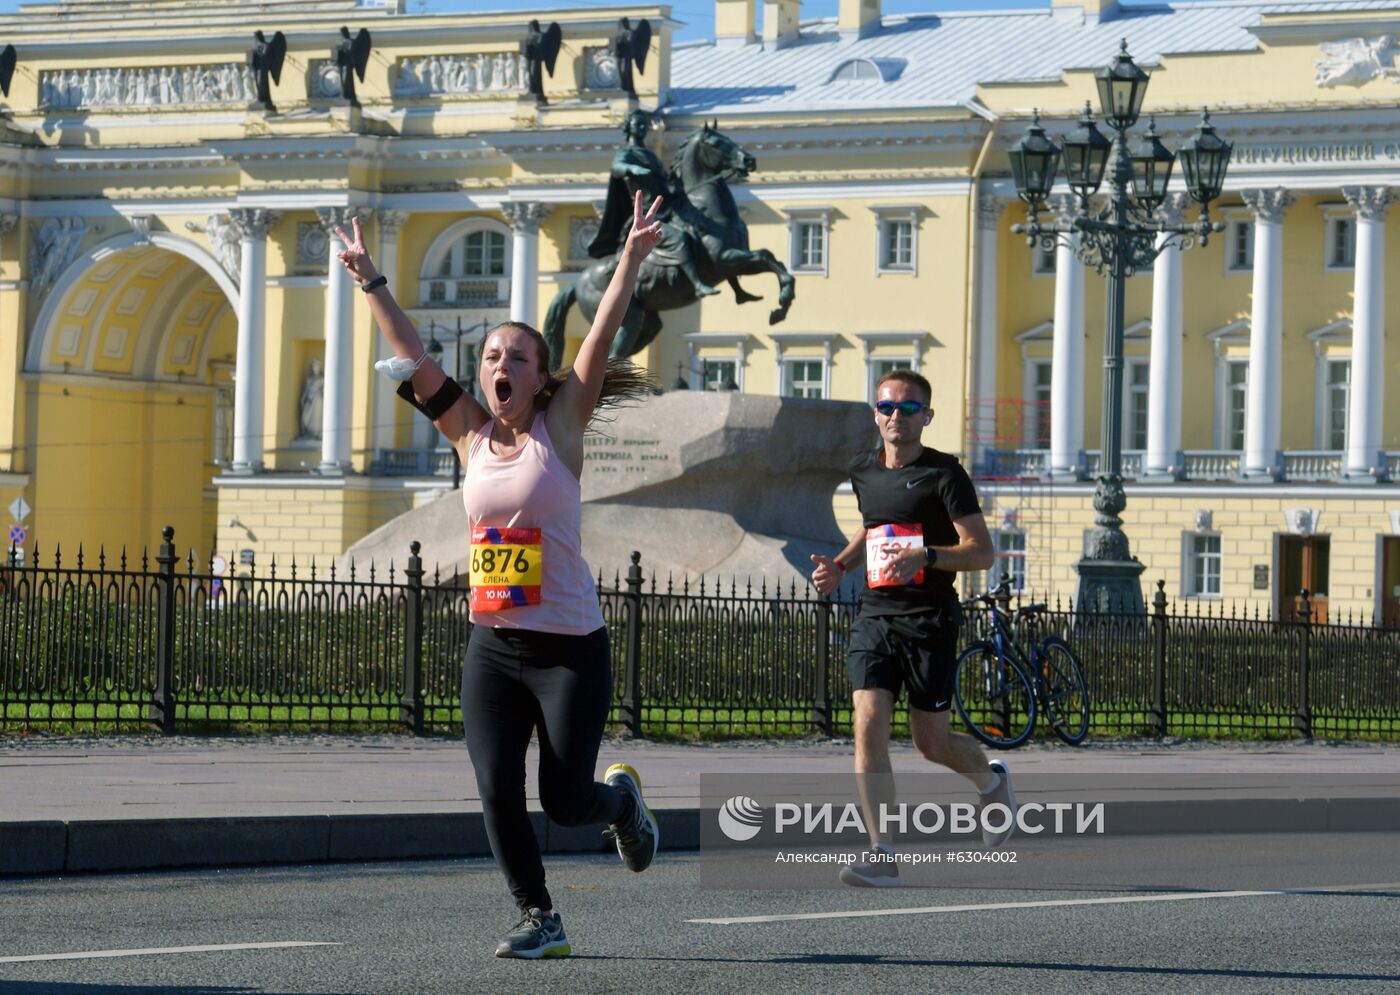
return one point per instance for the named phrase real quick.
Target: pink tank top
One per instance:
(534, 489)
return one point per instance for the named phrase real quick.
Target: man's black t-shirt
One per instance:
(931, 492)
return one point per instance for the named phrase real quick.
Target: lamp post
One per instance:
(1117, 240)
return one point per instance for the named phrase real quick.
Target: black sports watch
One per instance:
(379, 281)
(930, 556)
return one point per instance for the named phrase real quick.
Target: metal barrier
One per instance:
(155, 643)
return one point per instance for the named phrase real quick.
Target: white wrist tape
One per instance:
(400, 368)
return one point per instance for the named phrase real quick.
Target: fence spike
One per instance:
(332, 570)
(58, 556)
(189, 561)
(653, 582)
(101, 559)
(371, 569)
(670, 582)
(36, 555)
(352, 569)
(80, 556)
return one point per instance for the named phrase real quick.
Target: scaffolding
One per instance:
(1008, 458)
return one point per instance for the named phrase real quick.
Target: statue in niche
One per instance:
(351, 57)
(629, 47)
(225, 240)
(313, 390)
(55, 243)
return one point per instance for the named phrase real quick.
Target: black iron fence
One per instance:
(104, 644)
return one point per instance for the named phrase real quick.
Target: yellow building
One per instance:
(178, 349)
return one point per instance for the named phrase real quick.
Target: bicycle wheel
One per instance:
(993, 697)
(1066, 698)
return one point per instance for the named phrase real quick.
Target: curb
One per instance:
(87, 846)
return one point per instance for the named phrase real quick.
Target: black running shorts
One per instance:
(917, 650)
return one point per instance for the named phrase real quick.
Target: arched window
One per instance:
(469, 266)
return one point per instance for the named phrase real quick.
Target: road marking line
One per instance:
(149, 951)
(991, 906)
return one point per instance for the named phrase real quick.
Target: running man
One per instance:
(538, 660)
(921, 523)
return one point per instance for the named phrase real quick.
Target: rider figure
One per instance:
(636, 167)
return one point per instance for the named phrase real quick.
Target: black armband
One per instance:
(437, 405)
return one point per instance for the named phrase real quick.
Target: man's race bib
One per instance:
(885, 542)
(507, 568)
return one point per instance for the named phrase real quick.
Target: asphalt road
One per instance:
(429, 927)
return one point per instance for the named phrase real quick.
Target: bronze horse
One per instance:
(704, 208)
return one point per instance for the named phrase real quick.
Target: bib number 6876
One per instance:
(494, 559)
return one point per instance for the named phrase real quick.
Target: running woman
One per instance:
(921, 524)
(538, 659)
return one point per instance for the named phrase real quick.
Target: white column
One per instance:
(339, 328)
(1164, 373)
(525, 218)
(385, 400)
(982, 418)
(252, 224)
(1367, 402)
(1264, 411)
(1067, 352)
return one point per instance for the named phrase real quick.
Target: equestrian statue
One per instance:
(704, 242)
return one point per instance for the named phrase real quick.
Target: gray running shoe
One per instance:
(884, 874)
(1005, 796)
(636, 836)
(536, 935)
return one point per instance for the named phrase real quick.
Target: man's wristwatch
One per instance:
(930, 556)
(379, 281)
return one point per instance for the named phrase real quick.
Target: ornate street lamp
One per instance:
(1117, 239)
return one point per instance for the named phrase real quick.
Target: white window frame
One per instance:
(885, 216)
(1328, 388)
(822, 383)
(912, 341)
(807, 216)
(1234, 334)
(1337, 335)
(1235, 218)
(1337, 215)
(1130, 428)
(1190, 557)
(445, 244)
(1030, 428)
(704, 364)
(782, 341)
(722, 346)
(1004, 556)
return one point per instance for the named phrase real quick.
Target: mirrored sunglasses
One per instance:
(906, 408)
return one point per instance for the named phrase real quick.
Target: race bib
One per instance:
(885, 542)
(507, 568)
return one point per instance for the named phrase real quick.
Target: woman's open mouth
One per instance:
(503, 391)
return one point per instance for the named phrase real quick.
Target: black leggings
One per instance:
(513, 682)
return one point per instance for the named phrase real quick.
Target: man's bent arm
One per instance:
(974, 550)
(854, 553)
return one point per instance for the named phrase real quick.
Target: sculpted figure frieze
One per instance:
(486, 72)
(53, 246)
(148, 86)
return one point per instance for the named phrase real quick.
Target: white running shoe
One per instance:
(1005, 796)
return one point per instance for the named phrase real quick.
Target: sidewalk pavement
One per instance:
(122, 803)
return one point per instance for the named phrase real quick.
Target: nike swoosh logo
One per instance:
(909, 485)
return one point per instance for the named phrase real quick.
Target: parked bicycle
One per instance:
(1000, 681)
